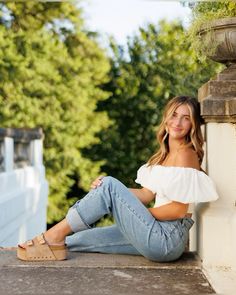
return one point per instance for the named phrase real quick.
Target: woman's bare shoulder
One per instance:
(187, 157)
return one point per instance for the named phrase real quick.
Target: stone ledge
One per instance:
(102, 274)
(218, 89)
(98, 260)
(22, 134)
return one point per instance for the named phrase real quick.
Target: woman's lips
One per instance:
(176, 129)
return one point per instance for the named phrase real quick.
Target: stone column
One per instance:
(217, 220)
(8, 154)
(36, 148)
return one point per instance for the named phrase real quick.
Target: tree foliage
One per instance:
(50, 77)
(157, 66)
(54, 75)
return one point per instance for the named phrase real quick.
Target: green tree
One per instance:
(157, 66)
(50, 76)
(33, 15)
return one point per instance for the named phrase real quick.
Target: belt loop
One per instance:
(188, 222)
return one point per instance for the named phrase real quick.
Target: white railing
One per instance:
(23, 187)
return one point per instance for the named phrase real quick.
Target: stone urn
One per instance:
(218, 96)
(221, 35)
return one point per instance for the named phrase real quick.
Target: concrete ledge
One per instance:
(98, 260)
(102, 274)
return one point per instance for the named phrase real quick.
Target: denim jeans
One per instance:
(135, 231)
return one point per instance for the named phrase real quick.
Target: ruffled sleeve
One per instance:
(185, 185)
(145, 178)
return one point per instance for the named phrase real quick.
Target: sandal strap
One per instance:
(41, 239)
(29, 243)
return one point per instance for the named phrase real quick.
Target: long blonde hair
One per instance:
(194, 138)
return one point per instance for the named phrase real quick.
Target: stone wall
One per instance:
(216, 228)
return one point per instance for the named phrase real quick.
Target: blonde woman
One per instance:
(172, 177)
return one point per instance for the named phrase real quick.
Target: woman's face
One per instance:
(179, 124)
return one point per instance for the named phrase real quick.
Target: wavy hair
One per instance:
(194, 138)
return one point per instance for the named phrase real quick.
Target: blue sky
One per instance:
(121, 18)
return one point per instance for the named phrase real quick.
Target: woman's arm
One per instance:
(171, 211)
(143, 194)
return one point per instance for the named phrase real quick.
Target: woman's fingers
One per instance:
(97, 182)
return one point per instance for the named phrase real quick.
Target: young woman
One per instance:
(172, 176)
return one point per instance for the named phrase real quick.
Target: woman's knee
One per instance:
(109, 180)
(114, 184)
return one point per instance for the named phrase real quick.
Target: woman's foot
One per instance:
(56, 235)
(47, 246)
(39, 250)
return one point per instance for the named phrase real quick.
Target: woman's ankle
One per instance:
(58, 233)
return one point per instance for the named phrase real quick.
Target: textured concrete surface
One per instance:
(87, 273)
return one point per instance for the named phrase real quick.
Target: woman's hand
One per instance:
(97, 182)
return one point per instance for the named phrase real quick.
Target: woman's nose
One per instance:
(177, 121)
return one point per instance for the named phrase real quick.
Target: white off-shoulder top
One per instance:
(185, 185)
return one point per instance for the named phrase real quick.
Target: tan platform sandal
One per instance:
(39, 250)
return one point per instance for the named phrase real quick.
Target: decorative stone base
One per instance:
(218, 97)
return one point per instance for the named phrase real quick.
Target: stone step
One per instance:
(94, 273)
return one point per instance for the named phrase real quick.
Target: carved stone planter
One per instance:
(223, 36)
(218, 96)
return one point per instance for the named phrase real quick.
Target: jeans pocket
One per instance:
(176, 244)
(168, 227)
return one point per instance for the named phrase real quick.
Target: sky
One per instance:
(122, 18)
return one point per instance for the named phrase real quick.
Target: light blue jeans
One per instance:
(135, 231)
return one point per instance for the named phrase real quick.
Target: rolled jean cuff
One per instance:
(75, 221)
